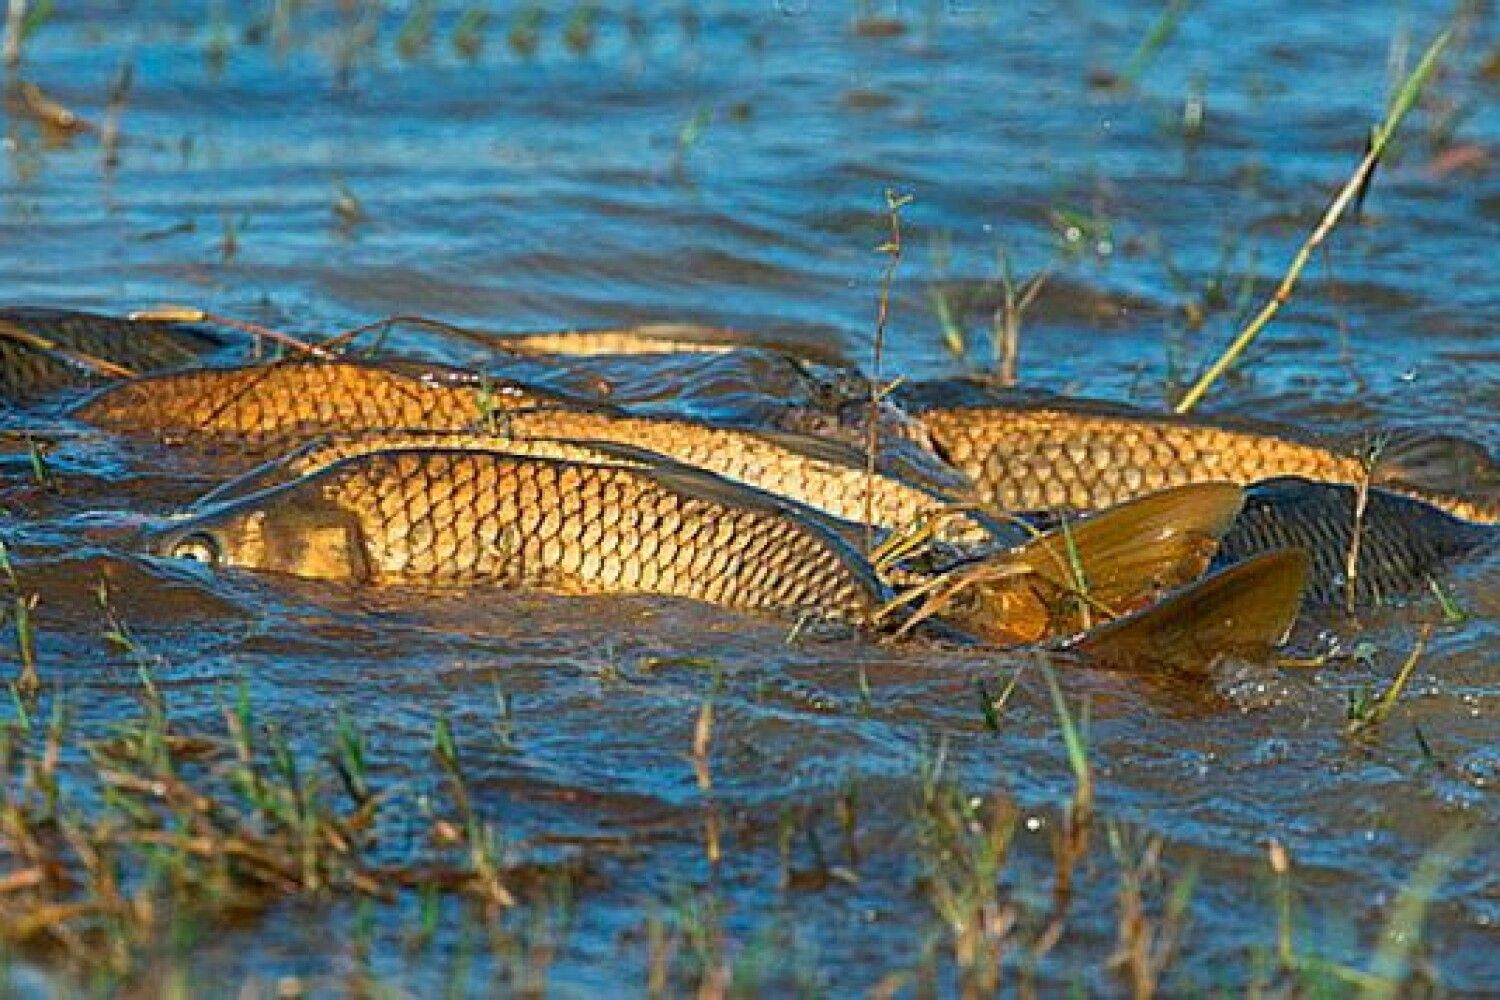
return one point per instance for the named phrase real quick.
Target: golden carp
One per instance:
(464, 517)
(287, 402)
(1081, 456)
(456, 517)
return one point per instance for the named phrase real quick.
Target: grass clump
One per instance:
(108, 858)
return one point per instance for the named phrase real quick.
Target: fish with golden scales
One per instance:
(1035, 451)
(824, 475)
(44, 350)
(463, 517)
(1083, 456)
(1433, 498)
(440, 517)
(282, 404)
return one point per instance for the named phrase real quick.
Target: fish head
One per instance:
(295, 530)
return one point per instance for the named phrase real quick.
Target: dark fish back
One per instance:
(1403, 542)
(43, 351)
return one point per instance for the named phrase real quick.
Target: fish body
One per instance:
(45, 350)
(1403, 543)
(639, 524)
(436, 516)
(1083, 456)
(811, 471)
(288, 402)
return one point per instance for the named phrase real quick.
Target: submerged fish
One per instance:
(821, 474)
(287, 402)
(646, 339)
(45, 350)
(1083, 456)
(461, 517)
(436, 516)
(1403, 543)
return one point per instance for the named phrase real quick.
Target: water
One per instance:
(728, 163)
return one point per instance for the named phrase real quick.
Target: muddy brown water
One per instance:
(566, 189)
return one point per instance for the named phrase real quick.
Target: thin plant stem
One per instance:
(892, 249)
(1410, 90)
(188, 314)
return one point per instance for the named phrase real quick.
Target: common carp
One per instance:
(448, 517)
(1403, 543)
(45, 350)
(644, 339)
(462, 517)
(1036, 451)
(287, 402)
(1084, 456)
(818, 473)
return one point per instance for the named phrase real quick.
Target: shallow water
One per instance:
(567, 189)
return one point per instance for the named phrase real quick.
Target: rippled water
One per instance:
(728, 163)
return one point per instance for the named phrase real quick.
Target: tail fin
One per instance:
(1104, 565)
(1245, 610)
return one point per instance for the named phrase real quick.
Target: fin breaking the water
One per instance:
(1246, 610)
(1109, 563)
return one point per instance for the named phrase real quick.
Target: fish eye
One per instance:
(199, 547)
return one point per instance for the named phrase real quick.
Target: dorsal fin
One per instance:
(259, 478)
(908, 462)
(810, 446)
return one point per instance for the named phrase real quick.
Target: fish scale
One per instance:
(435, 516)
(840, 486)
(291, 401)
(1033, 458)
